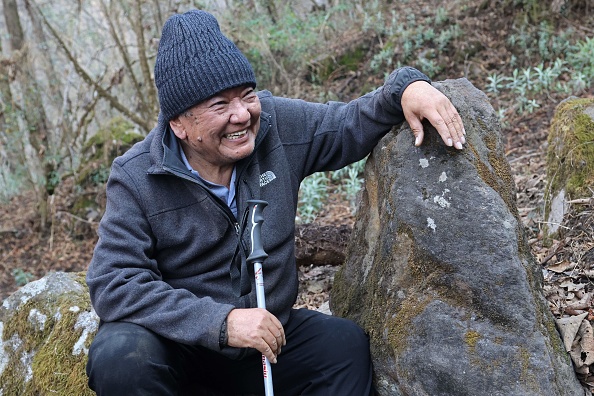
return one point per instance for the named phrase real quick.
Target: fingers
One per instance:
(256, 328)
(449, 126)
(455, 127)
(422, 101)
(273, 341)
(272, 344)
(417, 128)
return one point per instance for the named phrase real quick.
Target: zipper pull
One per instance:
(236, 228)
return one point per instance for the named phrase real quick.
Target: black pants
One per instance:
(324, 355)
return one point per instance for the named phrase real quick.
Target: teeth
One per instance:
(236, 135)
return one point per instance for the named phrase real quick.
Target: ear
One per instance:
(177, 128)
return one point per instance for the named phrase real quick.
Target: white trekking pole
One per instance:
(256, 257)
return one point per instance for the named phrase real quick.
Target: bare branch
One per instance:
(125, 57)
(144, 65)
(113, 101)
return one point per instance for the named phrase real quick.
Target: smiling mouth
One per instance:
(236, 135)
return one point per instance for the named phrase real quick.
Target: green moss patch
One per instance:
(102, 148)
(570, 157)
(46, 340)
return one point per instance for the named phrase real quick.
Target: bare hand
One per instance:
(256, 328)
(420, 100)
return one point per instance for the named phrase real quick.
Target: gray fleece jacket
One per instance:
(171, 255)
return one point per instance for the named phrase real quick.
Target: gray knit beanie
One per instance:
(196, 61)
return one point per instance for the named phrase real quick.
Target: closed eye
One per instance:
(217, 104)
(249, 92)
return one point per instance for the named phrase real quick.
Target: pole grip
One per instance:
(255, 220)
(256, 257)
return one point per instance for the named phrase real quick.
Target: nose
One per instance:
(238, 112)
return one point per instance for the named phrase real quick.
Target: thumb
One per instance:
(417, 128)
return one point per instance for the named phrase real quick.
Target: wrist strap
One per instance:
(223, 337)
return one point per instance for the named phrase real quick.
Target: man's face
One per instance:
(221, 130)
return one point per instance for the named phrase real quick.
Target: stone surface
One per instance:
(438, 271)
(46, 328)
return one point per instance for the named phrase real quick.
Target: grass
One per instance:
(316, 189)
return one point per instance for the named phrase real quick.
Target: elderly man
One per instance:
(169, 278)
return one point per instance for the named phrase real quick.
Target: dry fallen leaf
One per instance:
(587, 343)
(561, 267)
(570, 285)
(582, 352)
(568, 327)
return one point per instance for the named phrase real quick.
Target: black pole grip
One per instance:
(255, 220)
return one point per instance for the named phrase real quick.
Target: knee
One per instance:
(348, 340)
(123, 344)
(347, 367)
(119, 352)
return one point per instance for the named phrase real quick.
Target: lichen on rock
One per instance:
(445, 285)
(46, 328)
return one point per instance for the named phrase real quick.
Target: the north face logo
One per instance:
(266, 178)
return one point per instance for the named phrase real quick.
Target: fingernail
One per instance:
(273, 361)
(459, 145)
(463, 130)
(463, 139)
(450, 142)
(417, 140)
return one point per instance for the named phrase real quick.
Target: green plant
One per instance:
(533, 84)
(441, 16)
(21, 277)
(408, 39)
(282, 47)
(312, 196)
(382, 58)
(448, 35)
(527, 105)
(580, 58)
(316, 188)
(100, 175)
(496, 82)
(350, 180)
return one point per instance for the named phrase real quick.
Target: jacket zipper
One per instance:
(216, 199)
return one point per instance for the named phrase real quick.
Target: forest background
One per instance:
(76, 89)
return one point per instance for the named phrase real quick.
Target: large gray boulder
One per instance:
(46, 328)
(439, 274)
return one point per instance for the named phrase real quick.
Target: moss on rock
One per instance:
(102, 148)
(46, 329)
(570, 158)
(447, 288)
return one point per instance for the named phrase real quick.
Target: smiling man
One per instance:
(169, 278)
(218, 132)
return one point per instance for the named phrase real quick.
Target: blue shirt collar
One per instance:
(227, 195)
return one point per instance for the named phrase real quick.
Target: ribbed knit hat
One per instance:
(196, 61)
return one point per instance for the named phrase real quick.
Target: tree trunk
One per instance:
(6, 105)
(13, 24)
(321, 245)
(33, 122)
